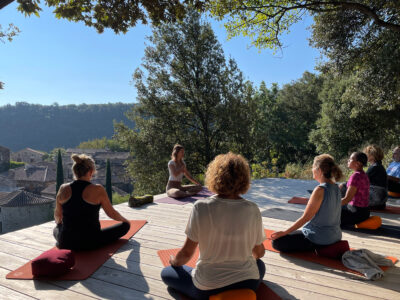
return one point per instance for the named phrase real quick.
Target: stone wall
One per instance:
(14, 218)
(27, 156)
(4, 159)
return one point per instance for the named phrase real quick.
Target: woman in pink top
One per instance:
(355, 202)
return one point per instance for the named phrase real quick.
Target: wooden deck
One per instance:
(134, 271)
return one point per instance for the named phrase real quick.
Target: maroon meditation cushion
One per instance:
(53, 262)
(335, 250)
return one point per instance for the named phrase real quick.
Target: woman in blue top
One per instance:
(321, 218)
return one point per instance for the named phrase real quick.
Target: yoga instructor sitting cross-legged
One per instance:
(177, 168)
(77, 211)
(229, 232)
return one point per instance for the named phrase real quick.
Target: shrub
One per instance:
(117, 199)
(263, 170)
(299, 170)
(16, 164)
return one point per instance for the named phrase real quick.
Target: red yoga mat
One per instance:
(86, 262)
(387, 210)
(263, 291)
(313, 257)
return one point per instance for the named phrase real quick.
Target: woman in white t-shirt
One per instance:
(177, 168)
(229, 232)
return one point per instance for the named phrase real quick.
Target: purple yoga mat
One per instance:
(204, 193)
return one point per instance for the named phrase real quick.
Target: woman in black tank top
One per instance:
(77, 211)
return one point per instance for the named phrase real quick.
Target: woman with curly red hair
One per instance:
(229, 232)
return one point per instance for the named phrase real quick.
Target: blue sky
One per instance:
(59, 61)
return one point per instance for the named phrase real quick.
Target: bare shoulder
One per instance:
(94, 188)
(319, 192)
(64, 193)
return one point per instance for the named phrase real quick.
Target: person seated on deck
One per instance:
(355, 202)
(229, 232)
(377, 178)
(393, 172)
(77, 211)
(177, 168)
(321, 217)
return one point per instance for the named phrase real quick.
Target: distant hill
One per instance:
(45, 127)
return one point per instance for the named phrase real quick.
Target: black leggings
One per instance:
(89, 241)
(393, 186)
(294, 242)
(353, 214)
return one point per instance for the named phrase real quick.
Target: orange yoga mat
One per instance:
(86, 262)
(313, 257)
(298, 200)
(387, 210)
(263, 292)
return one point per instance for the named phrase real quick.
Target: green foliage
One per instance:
(103, 143)
(16, 164)
(8, 34)
(119, 16)
(53, 154)
(357, 44)
(299, 170)
(47, 127)
(344, 127)
(187, 94)
(264, 21)
(117, 199)
(264, 170)
(108, 181)
(60, 172)
(284, 118)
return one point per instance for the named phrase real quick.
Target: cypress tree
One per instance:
(108, 180)
(60, 172)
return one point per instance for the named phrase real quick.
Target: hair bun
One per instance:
(76, 158)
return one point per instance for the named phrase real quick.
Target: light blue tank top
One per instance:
(324, 227)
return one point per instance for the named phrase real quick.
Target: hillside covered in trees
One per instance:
(46, 127)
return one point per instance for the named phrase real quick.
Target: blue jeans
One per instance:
(180, 279)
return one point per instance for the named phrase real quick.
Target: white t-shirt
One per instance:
(171, 175)
(227, 231)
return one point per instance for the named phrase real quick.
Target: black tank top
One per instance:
(79, 216)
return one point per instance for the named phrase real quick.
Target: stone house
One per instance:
(28, 155)
(21, 209)
(34, 177)
(4, 159)
(7, 184)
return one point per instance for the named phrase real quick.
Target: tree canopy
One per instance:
(188, 93)
(118, 15)
(264, 21)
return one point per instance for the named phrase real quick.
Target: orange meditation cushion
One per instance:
(394, 195)
(372, 222)
(243, 294)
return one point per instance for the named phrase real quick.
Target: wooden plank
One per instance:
(9, 294)
(39, 289)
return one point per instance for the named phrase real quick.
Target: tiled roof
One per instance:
(34, 173)
(30, 150)
(22, 198)
(85, 151)
(113, 155)
(2, 147)
(51, 189)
